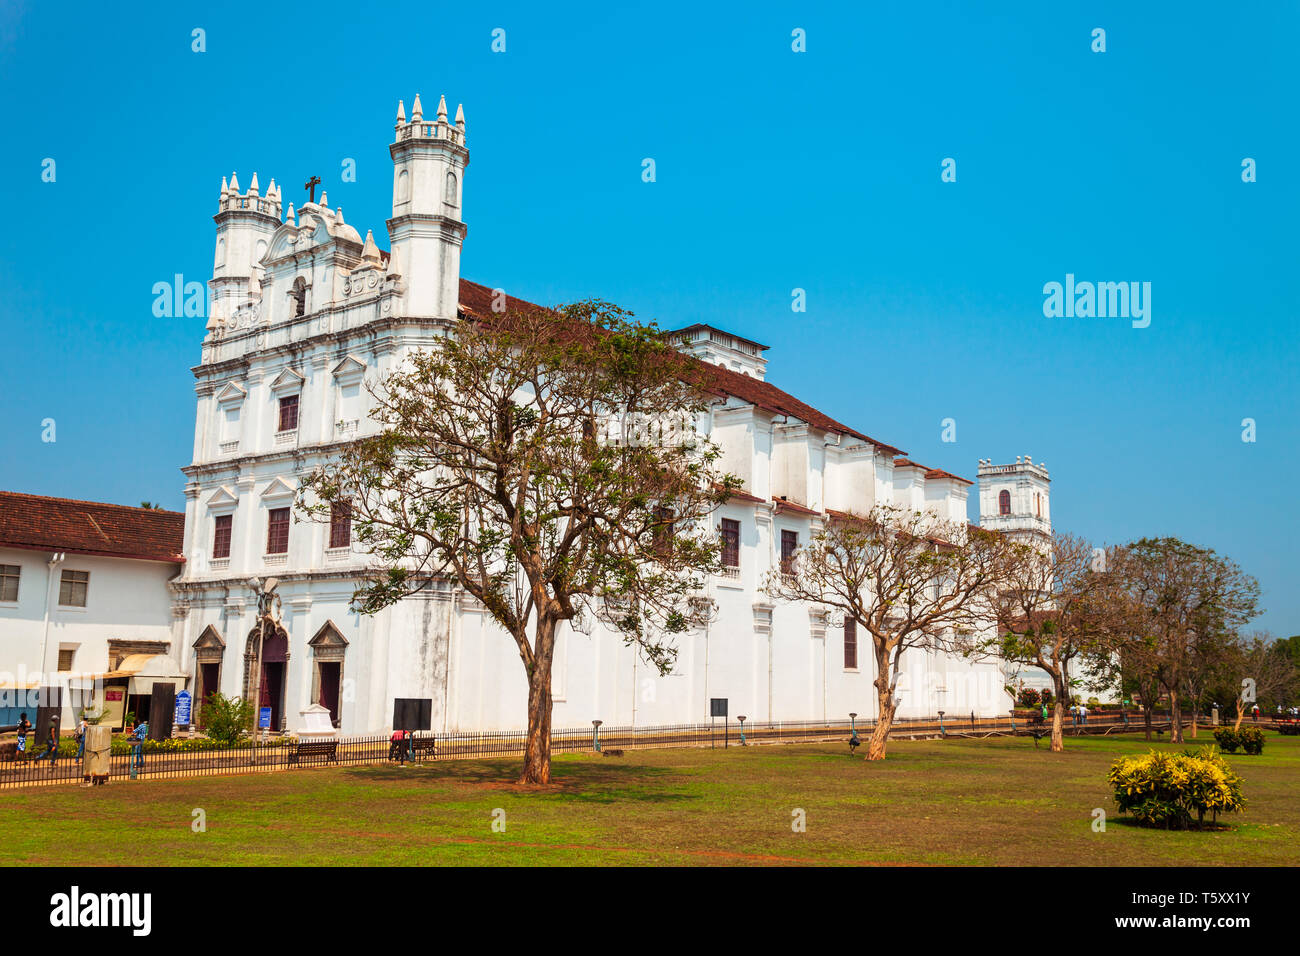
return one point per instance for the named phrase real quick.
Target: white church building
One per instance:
(304, 313)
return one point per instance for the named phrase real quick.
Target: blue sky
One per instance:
(775, 170)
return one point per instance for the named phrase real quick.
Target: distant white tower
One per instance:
(1015, 498)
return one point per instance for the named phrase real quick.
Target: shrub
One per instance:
(1047, 696)
(1175, 791)
(227, 719)
(1289, 729)
(1252, 740)
(1227, 739)
(1028, 697)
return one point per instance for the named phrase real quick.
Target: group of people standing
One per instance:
(51, 753)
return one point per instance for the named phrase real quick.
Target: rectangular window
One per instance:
(277, 531)
(72, 588)
(340, 524)
(9, 574)
(730, 543)
(66, 654)
(663, 531)
(789, 545)
(850, 644)
(289, 413)
(221, 536)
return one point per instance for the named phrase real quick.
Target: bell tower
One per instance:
(1016, 498)
(245, 224)
(427, 228)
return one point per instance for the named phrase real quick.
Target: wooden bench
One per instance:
(414, 748)
(325, 749)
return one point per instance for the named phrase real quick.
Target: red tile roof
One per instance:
(930, 472)
(940, 473)
(90, 527)
(476, 300)
(784, 505)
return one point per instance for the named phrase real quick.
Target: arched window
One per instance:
(403, 186)
(299, 296)
(1004, 502)
(451, 188)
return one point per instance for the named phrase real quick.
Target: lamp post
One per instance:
(941, 732)
(741, 718)
(266, 598)
(595, 734)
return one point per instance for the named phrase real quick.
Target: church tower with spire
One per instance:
(427, 227)
(245, 224)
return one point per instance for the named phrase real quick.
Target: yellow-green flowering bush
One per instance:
(1175, 791)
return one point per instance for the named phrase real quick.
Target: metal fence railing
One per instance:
(174, 759)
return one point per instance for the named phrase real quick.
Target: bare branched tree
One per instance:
(909, 579)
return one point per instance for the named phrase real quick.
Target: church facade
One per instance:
(304, 313)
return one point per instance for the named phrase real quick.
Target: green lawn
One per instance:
(996, 801)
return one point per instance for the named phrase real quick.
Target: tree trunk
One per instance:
(1146, 718)
(885, 702)
(1175, 718)
(1058, 725)
(1241, 714)
(537, 750)
(880, 735)
(1196, 706)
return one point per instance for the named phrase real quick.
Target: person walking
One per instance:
(1083, 714)
(80, 736)
(137, 749)
(51, 746)
(25, 728)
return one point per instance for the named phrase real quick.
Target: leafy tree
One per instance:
(910, 579)
(547, 462)
(227, 719)
(1179, 599)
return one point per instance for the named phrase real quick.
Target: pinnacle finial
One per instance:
(271, 191)
(417, 111)
(442, 109)
(225, 190)
(324, 198)
(289, 219)
(234, 183)
(460, 116)
(370, 250)
(338, 215)
(401, 112)
(252, 187)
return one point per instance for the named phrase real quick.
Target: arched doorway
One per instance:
(270, 689)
